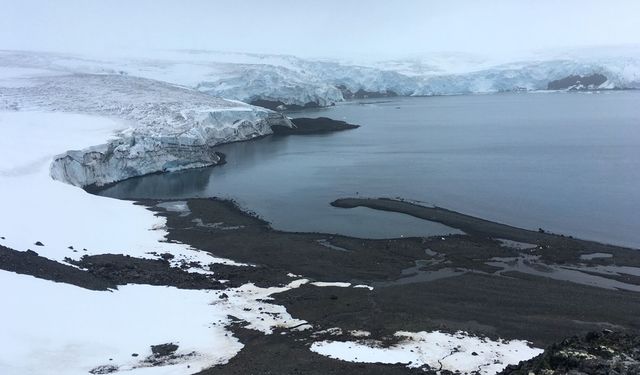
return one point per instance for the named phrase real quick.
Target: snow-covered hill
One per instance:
(295, 81)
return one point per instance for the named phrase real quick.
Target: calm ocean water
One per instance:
(566, 162)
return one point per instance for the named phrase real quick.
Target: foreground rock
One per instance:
(119, 269)
(30, 263)
(596, 353)
(106, 271)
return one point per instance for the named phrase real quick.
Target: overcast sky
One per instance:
(326, 28)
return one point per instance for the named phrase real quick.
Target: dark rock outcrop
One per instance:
(30, 263)
(576, 82)
(164, 350)
(364, 94)
(277, 105)
(596, 353)
(106, 271)
(123, 269)
(313, 126)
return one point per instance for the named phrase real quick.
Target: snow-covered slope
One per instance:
(166, 127)
(295, 81)
(242, 77)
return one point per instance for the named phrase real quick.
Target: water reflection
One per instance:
(175, 184)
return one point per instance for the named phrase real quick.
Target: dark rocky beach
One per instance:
(450, 286)
(435, 283)
(440, 283)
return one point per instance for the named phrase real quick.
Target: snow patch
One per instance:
(363, 286)
(438, 350)
(334, 284)
(84, 329)
(13, 76)
(358, 333)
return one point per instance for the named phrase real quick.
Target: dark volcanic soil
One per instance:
(30, 263)
(106, 271)
(124, 269)
(420, 283)
(284, 354)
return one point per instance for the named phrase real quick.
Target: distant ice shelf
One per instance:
(300, 82)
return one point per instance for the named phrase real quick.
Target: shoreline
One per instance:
(479, 299)
(467, 223)
(383, 263)
(304, 126)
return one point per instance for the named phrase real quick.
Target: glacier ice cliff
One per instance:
(294, 81)
(165, 127)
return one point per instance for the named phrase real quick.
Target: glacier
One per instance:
(168, 127)
(296, 82)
